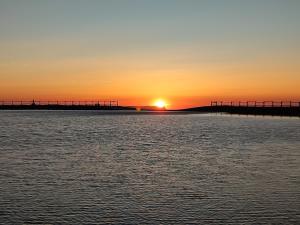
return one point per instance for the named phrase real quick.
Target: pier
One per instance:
(272, 104)
(274, 108)
(271, 108)
(62, 105)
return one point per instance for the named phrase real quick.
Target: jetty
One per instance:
(62, 105)
(273, 108)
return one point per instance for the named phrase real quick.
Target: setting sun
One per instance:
(160, 103)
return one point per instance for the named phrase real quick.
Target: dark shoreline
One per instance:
(242, 110)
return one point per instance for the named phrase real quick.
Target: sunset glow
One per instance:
(160, 103)
(149, 111)
(134, 51)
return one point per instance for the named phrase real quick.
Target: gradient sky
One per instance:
(187, 52)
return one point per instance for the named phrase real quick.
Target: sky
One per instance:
(187, 52)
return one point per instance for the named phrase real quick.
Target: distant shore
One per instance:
(272, 111)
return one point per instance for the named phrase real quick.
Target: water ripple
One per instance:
(95, 168)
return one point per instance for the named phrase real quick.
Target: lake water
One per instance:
(89, 167)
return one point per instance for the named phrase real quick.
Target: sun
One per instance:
(160, 103)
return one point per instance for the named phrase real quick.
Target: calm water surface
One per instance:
(68, 167)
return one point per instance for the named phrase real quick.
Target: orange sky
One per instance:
(136, 80)
(187, 53)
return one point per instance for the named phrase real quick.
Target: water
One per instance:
(95, 168)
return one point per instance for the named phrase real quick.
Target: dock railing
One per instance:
(100, 103)
(277, 104)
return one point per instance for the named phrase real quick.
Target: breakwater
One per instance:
(273, 108)
(62, 105)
